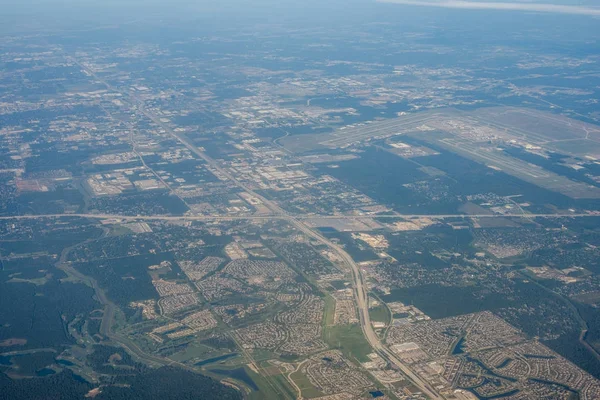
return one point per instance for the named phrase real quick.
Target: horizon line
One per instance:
(506, 6)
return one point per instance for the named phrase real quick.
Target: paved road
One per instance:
(361, 297)
(108, 320)
(360, 290)
(284, 216)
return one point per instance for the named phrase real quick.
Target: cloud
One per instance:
(473, 5)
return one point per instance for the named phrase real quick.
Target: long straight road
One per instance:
(359, 287)
(276, 212)
(361, 298)
(124, 217)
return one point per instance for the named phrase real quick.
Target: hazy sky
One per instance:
(514, 6)
(29, 16)
(57, 14)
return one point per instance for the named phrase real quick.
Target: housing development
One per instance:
(298, 213)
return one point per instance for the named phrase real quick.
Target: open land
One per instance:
(268, 221)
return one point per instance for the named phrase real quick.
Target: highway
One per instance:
(359, 286)
(361, 298)
(360, 289)
(132, 218)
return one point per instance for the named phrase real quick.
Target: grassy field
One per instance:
(329, 310)
(192, 351)
(308, 390)
(349, 339)
(380, 313)
(262, 355)
(271, 387)
(281, 382)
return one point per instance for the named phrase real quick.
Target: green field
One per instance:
(349, 339)
(308, 390)
(329, 310)
(380, 313)
(270, 387)
(193, 351)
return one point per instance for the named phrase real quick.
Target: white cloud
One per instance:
(540, 7)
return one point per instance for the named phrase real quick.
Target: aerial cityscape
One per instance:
(319, 201)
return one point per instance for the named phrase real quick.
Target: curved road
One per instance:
(360, 290)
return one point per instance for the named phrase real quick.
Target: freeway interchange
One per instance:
(358, 284)
(272, 211)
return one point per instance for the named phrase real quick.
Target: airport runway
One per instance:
(276, 212)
